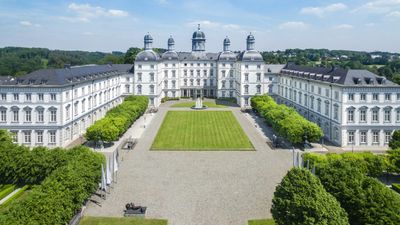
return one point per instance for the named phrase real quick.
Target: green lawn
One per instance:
(201, 130)
(262, 222)
(120, 221)
(190, 104)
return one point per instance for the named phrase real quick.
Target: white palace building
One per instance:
(53, 107)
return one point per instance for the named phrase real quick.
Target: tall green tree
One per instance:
(300, 198)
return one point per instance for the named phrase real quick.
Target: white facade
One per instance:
(197, 73)
(41, 112)
(354, 109)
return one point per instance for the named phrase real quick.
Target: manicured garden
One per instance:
(62, 180)
(120, 221)
(189, 104)
(201, 130)
(286, 121)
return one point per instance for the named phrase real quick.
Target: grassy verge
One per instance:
(262, 222)
(120, 221)
(6, 190)
(201, 131)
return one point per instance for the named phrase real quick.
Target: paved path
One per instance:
(197, 188)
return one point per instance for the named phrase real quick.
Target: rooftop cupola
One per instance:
(250, 42)
(227, 44)
(171, 44)
(198, 40)
(148, 42)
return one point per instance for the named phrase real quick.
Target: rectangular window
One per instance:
(151, 77)
(335, 112)
(363, 116)
(351, 97)
(258, 89)
(52, 139)
(398, 115)
(223, 73)
(15, 116)
(363, 97)
(246, 89)
(387, 96)
(3, 96)
(326, 109)
(166, 73)
(16, 97)
(375, 116)
(139, 77)
(336, 95)
(350, 116)
(28, 116)
(39, 136)
(40, 116)
(387, 116)
(388, 136)
(3, 116)
(53, 116)
(375, 137)
(375, 97)
(53, 97)
(258, 77)
(28, 97)
(327, 93)
(350, 137)
(27, 137)
(363, 137)
(231, 73)
(246, 77)
(319, 106)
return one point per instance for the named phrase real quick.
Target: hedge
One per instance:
(61, 194)
(396, 187)
(117, 120)
(165, 99)
(365, 199)
(16, 195)
(300, 198)
(286, 121)
(367, 162)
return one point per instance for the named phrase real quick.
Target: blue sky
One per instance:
(276, 24)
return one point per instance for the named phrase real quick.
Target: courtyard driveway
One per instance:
(197, 188)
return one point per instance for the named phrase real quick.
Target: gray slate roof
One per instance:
(60, 77)
(337, 75)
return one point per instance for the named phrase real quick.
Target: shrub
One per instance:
(286, 121)
(395, 140)
(165, 99)
(394, 160)
(301, 199)
(117, 120)
(367, 162)
(61, 194)
(396, 187)
(365, 199)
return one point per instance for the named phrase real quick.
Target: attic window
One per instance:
(19, 81)
(380, 80)
(31, 81)
(356, 80)
(43, 81)
(269, 70)
(368, 80)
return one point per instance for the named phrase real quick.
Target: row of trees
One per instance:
(301, 198)
(286, 121)
(62, 185)
(16, 61)
(117, 120)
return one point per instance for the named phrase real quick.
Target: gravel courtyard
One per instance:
(197, 188)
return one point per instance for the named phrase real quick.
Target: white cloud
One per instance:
(394, 14)
(322, 11)
(378, 6)
(343, 27)
(213, 25)
(298, 25)
(86, 12)
(26, 23)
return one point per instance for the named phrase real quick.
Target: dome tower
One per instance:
(148, 42)
(250, 42)
(171, 44)
(198, 40)
(227, 43)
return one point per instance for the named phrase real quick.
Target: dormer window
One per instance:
(356, 80)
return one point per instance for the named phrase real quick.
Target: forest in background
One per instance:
(17, 61)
